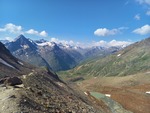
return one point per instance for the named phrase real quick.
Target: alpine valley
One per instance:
(55, 56)
(29, 89)
(74, 56)
(124, 76)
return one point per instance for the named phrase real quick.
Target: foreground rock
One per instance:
(12, 81)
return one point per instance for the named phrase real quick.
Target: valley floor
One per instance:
(129, 91)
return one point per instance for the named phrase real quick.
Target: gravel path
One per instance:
(9, 100)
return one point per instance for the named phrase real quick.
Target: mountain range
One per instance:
(133, 59)
(54, 56)
(26, 88)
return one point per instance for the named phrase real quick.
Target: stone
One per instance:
(12, 81)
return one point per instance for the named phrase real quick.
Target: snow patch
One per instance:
(107, 95)
(5, 63)
(60, 84)
(85, 93)
(24, 76)
(119, 55)
(20, 63)
(25, 46)
(147, 92)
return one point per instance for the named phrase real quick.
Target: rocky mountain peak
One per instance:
(21, 42)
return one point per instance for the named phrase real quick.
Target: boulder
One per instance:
(12, 81)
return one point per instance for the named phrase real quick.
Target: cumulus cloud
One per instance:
(101, 43)
(16, 29)
(9, 38)
(11, 28)
(106, 32)
(119, 43)
(43, 34)
(143, 30)
(111, 43)
(34, 32)
(137, 17)
(55, 40)
(65, 42)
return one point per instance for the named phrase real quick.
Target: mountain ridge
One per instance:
(55, 56)
(130, 60)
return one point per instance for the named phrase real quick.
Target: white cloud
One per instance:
(100, 43)
(119, 43)
(15, 29)
(2, 29)
(54, 40)
(34, 32)
(106, 32)
(148, 13)
(143, 2)
(9, 38)
(65, 42)
(43, 34)
(111, 43)
(143, 30)
(137, 17)
(11, 28)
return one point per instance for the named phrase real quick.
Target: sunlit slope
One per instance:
(132, 59)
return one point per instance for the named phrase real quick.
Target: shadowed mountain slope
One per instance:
(26, 50)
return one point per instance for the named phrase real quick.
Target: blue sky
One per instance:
(84, 21)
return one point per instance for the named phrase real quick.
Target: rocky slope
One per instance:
(35, 90)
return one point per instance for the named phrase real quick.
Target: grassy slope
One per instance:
(133, 59)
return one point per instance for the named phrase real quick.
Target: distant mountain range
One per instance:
(131, 60)
(55, 56)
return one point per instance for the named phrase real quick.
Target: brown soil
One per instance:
(129, 91)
